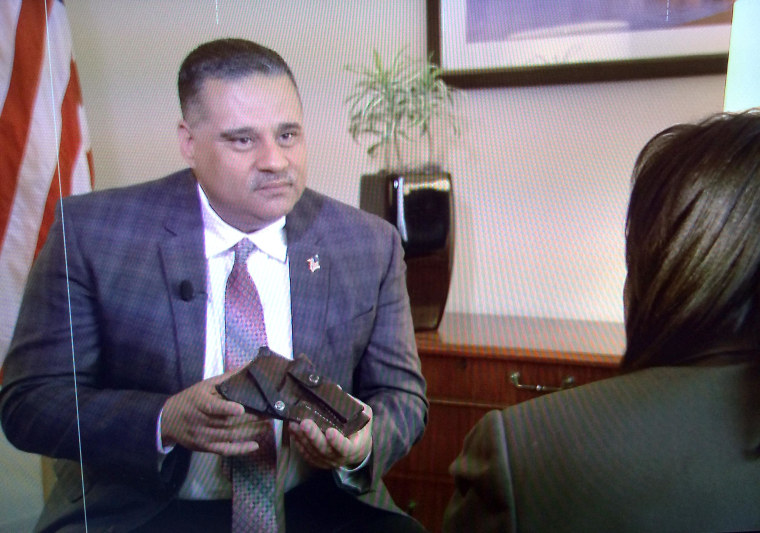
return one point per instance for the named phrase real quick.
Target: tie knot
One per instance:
(242, 250)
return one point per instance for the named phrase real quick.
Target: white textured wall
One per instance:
(20, 489)
(541, 180)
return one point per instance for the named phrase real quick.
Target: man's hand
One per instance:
(331, 449)
(199, 419)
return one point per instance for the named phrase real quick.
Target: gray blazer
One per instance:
(137, 341)
(662, 449)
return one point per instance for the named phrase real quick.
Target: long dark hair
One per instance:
(693, 242)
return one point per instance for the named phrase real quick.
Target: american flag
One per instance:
(44, 144)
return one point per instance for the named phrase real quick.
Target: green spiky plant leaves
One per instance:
(399, 104)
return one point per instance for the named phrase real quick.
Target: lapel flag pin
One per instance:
(313, 263)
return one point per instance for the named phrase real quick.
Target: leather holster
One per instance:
(272, 385)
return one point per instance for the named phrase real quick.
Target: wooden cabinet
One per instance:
(475, 363)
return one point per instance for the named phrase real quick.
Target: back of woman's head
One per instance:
(693, 242)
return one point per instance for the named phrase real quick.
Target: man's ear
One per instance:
(186, 147)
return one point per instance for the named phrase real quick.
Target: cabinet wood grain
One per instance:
(475, 363)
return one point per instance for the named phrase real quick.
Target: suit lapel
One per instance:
(309, 275)
(183, 260)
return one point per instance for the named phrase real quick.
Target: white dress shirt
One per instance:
(268, 266)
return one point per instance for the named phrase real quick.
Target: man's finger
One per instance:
(338, 442)
(230, 449)
(219, 407)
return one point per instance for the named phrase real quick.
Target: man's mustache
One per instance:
(262, 179)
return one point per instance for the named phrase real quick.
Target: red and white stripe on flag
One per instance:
(44, 144)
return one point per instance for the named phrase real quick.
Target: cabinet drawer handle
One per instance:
(567, 383)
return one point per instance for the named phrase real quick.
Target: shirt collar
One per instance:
(220, 237)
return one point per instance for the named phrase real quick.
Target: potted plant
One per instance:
(407, 116)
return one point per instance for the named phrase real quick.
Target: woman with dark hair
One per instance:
(693, 243)
(673, 444)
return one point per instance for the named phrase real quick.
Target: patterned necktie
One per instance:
(253, 477)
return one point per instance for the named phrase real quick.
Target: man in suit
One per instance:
(129, 292)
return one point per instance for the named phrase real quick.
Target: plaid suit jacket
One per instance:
(136, 341)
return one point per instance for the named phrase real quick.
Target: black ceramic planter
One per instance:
(421, 206)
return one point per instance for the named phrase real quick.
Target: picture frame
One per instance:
(594, 51)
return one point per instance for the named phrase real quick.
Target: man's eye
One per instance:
(244, 142)
(289, 137)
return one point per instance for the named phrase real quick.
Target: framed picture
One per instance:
(487, 43)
